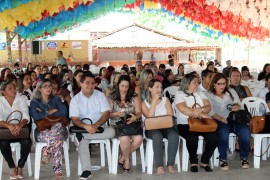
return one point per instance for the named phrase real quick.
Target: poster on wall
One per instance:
(52, 45)
(183, 56)
(76, 45)
(3, 46)
(64, 45)
(28, 46)
(14, 46)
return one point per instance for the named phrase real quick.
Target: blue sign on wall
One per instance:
(3, 46)
(52, 45)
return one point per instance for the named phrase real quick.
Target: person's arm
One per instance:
(36, 112)
(182, 107)
(219, 118)
(207, 106)
(24, 110)
(117, 114)
(103, 119)
(169, 108)
(60, 106)
(248, 91)
(138, 110)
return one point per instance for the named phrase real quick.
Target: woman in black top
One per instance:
(235, 79)
(266, 70)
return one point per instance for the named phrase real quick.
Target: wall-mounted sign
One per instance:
(14, 46)
(76, 45)
(3, 46)
(51, 45)
(64, 45)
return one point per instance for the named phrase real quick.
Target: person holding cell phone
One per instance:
(224, 100)
(126, 106)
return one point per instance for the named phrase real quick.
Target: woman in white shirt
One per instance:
(222, 98)
(156, 105)
(10, 102)
(184, 100)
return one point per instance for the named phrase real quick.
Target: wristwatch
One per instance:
(202, 109)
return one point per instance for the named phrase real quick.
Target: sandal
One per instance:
(58, 176)
(206, 168)
(245, 164)
(19, 173)
(224, 165)
(44, 160)
(171, 169)
(13, 174)
(160, 170)
(194, 168)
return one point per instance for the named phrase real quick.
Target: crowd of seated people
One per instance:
(77, 93)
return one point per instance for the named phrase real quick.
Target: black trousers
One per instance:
(192, 138)
(7, 153)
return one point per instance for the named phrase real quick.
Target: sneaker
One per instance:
(85, 175)
(245, 164)
(224, 165)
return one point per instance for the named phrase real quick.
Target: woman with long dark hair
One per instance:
(123, 103)
(75, 86)
(266, 70)
(224, 100)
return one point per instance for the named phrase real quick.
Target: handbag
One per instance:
(48, 121)
(76, 129)
(257, 124)
(124, 129)
(239, 117)
(5, 133)
(201, 124)
(159, 122)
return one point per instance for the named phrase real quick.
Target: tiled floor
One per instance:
(234, 173)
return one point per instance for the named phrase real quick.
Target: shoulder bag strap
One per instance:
(84, 119)
(19, 120)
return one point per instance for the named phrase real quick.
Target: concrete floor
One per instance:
(235, 172)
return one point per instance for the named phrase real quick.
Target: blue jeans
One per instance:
(244, 136)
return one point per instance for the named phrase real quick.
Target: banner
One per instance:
(52, 45)
(3, 46)
(14, 46)
(76, 45)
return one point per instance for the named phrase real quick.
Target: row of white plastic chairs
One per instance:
(252, 104)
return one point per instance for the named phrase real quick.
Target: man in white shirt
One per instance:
(89, 103)
(207, 76)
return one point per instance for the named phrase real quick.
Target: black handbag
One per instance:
(124, 129)
(5, 133)
(76, 129)
(239, 117)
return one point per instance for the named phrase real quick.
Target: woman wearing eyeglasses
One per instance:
(45, 104)
(224, 100)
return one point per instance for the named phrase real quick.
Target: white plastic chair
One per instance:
(115, 152)
(17, 148)
(102, 154)
(150, 155)
(260, 140)
(38, 152)
(185, 155)
(171, 90)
